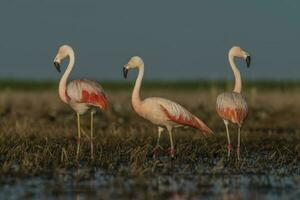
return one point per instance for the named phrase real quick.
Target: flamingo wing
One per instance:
(178, 114)
(88, 92)
(232, 106)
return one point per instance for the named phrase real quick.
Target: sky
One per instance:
(178, 40)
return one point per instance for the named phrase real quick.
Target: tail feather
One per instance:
(186, 118)
(202, 126)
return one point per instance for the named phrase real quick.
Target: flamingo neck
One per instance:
(63, 81)
(136, 100)
(237, 75)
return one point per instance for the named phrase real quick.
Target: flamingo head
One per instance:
(62, 53)
(237, 51)
(134, 62)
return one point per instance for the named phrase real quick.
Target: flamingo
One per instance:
(231, 106)
(161, 112)
(80, 94)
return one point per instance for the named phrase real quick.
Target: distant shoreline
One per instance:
(162, 85)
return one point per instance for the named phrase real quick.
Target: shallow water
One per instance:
(81, 185)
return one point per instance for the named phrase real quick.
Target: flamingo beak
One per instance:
(248, 61)
(125, 72)
(57, 66)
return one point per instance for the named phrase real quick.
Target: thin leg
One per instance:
(92, 133)
(79, 135)
(172, 150)
(239, 142)
(229, 147)
(156, 149)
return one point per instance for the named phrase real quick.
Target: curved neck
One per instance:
(63, 81)
(237, 75)
(136, 100)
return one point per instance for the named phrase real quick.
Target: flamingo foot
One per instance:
(155, 153)
(172, 152)
(229, 148)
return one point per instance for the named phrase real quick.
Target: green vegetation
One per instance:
(152, 85)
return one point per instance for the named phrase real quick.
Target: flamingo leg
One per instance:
(172, 150)
(92, 134)
(228, 139)
(239, 142)
(78, 136)
(156, 149)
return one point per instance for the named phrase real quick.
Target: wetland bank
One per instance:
(38, 146)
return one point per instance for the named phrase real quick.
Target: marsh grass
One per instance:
(38, 135)
(38, 139)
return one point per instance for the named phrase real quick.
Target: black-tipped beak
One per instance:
(248, 61)
(125, 72)
(57, 66)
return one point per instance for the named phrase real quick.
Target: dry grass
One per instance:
(38, 133)
(38, 138)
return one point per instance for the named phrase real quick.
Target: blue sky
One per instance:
(176, 39)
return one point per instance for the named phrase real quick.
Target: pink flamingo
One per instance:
(159, 111)
(79, 94)
(231, 106)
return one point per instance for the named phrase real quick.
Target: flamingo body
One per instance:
(82, 94)
(160, 111)
(232, 106)
(164, 112)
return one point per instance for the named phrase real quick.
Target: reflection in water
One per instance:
(177, 186)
